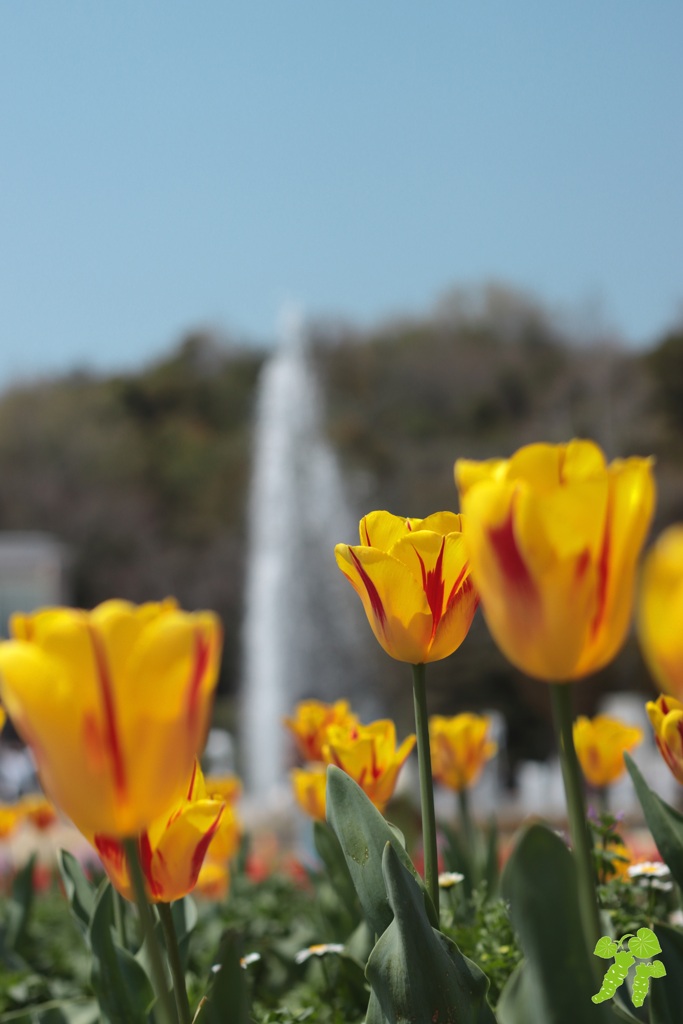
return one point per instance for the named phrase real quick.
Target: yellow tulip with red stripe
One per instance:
(554, 535)
(310, 723)
(600, 743)
(660, 611)
(414, 580)
(172, 849)
(460, 747)
(368, 753)
(309, 785)
(114, 704)
(666, 718)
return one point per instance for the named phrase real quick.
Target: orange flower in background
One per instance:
(660, 611)
(666, 718)
(369, 755)
(600, 743)
(172, 849)
(310, 722)
(309, 786)
(37, 810)
(114, 704)
(554, 535)
(413, 578)
(460, 746)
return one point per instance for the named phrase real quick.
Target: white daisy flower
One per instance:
(648, 869)
(449, 878)
(318, 950)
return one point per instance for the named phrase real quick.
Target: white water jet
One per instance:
(298, 638)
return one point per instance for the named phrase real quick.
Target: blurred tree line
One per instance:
(145, 475)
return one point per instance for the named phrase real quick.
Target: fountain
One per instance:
(298, 633)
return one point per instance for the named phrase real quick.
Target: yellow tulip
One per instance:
(114, 704)
(368, 754)
(9, 819)
(38, 810)
(600, 743)
(3, 718)
(310, 723)
(413, 578)
(460, 747)
(172, 849)
(226, 787)
(554, 535)
(666, 718)
(309, 785)
(660, 611)
(225, 842)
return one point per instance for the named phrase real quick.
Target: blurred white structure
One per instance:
(32, 573)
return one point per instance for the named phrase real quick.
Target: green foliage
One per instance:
(665, 824)
(482, 929)
(555, 983)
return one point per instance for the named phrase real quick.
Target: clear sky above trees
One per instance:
(167, 165)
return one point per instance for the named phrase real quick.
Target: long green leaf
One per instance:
(227, 1001)
(80, 892)
(666, 994)
(19, 904)
(120, 984)
(558, 978)
(363, 833)
(665, 824)
(416, 972)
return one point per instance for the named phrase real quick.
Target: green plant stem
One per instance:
(179, 986)
(424, 761)
(468, 832)
(561, 700)
(164, 1001)
(119, 922)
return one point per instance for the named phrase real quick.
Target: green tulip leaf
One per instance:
(20, 903)
(644, 944)
(416, 972)
(665, 824)
(80, 892)
(559, 976)
(227, 1001)
(122, 988)
(605, 948)
(363, 833)
(666, 994)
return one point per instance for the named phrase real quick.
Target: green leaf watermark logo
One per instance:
(643, 945)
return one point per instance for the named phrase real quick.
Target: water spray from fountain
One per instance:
(298, 636)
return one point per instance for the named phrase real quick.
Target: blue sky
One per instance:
(166, 165)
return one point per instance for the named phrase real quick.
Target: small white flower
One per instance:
(449, 878)
(657, 883)
(250, 958)
(318, 950)
(676, 917)
(648, 869)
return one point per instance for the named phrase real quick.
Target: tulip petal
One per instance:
(394, 601)
(180, 853)
(381, 530)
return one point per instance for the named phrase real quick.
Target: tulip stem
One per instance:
(171, 940)
(468, 833)
(424, 761)
(561, 700)
(137, 878)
